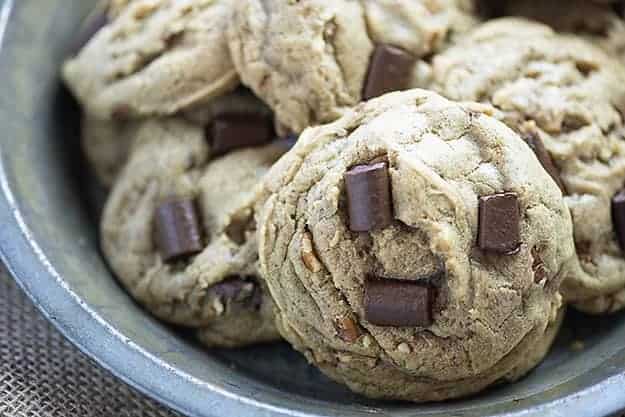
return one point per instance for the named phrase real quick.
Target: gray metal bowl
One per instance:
(48, 240)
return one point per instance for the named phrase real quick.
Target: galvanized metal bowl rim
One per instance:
(112, 350)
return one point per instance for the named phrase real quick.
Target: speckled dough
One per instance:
(492, 311)
(308, 60)
(571, 95)
(107, 143)
(171, 158)
(155, 58)
(596, 21)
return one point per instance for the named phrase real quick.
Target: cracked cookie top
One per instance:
(178, 230)
(153, 57)
(567, 97)
(414, 248)
(309, 60)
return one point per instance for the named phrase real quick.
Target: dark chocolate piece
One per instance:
(90, 27)
(537, 145)
(618, 217)
(499, 218)
(391, 302)
(390, 69)
(178, 232)
(238, 290)
(239, 130)
(369, 197)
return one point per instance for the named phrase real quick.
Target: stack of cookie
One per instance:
(407, 191)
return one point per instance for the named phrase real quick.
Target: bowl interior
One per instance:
(50, 215)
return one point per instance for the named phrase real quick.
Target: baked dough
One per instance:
(156, 57)
(218, 291)
(107, 143)
(492, 311)
(570, 95)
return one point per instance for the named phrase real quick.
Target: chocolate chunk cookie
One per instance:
(414, 249)
(155, 57)
(178, 230)
(107, 143)
(567, 99)
(311, 61)
(599, 22)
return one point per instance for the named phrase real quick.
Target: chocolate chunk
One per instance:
(499, 218)
(618, 217)
(90, 27)
(391, 302)
(619, 8)
(177, 229)
(537, 145)
(390, 69)
(347, 329)
(238, 290)
(238, 130)
(368, 197)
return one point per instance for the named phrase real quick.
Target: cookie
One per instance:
(599, 22)
(156, 57)
(414, 248)
(567, 98)
(178, 231)
(311, 61)
(541, 348)
(107, 143)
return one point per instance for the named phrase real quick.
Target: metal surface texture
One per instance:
(48, 240)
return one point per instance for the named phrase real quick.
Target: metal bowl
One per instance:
(48, 241)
